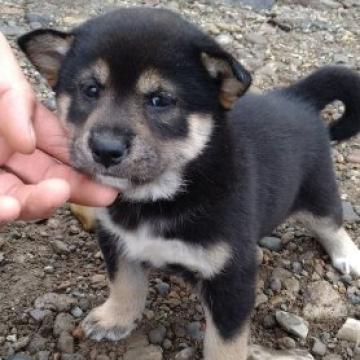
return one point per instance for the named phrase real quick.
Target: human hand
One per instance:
(34, 177)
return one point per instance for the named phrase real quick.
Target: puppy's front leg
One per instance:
(116, 318)
(228, 301)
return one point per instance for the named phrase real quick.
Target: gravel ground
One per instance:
(51, 271)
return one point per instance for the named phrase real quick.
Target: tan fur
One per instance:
(41, 53)
(124, 306)
(99, 70)
(150, 80)
(216, 348)
(85, 214)
(231, 87)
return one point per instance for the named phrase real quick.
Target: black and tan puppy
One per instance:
(151, 105)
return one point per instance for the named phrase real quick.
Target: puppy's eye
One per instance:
(161, 100)
(91, 89)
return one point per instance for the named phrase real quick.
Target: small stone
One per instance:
(37, 343)
(349, 213)
(331, 4)
(77, 312)
(269, 321)
(2, 257)
(296, 267)
(257, 352)
(12, 338)
(43, 19)
(185, 354)
(260, 299)
(19, 357)
(194, 331)
(162, 288)
(56, 302)
(259, 4)
(157, 335)
(63, 322)
(49, 269)
(102, 357)
(287, 342)
(353, 157)
(275, 285)
(318, 348)
(224, 39)
(167, 344)
(98, 279)
(60, 247)
(271, 243)
(150, 352)
(256, 38)
(72, 357)
(350, 331)
(35, 25)
(293, 324)
(43, 355)
(21, 343)
(65, 343)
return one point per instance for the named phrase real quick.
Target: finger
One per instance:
(51, 136)
(16, 102)
(39, 166)
(9, 209)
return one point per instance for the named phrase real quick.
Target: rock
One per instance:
(194, 331)
(98, 279)
(293, 324)
(354, 157)
(260, 299)
(185, 354)
(43, 355)
(297, 267)
(46, 328)
(63, 322)
(259, 255)
(72, 357)
(14, 30)
(19, 357)
(162, 288)
(330, 4)
(56, 302)
(350, 331)
(21, 343)
(224, 39)
(287, 342)
(102, 357)
(275, 285)
(36, 344)
(349, 213)
(77, 312)
(269, 321)
(271, 243)
(256, 38)
(318, 348)
(167, 344)
(324, 302)
(60, 247)
(65, 343)
(258, 4)
(257, 352)
(42, 19)
(157, 335)
(49, 269)
(150, 352)
(2, 257)
(38, 315)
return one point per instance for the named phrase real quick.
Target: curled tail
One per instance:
(329, 84)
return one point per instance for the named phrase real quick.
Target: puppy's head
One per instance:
(141, 92)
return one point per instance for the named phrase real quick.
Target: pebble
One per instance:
(259, 4)
(287, 342)
(224, 39)
(77, 312)
(21, 343)
(60, 247)
(324, 302)
(56, 302)
(72, 357)
(297, 267)
(157, 335)
(63, 322)
(271, 243)
(43, 355)
(293, 324)
(65, 343)
(350, 330)
(167, 344)
(49, 269)
(32, 17)
(349, 213)
(37, 343)
(194, 331)
(256, 38)
(275, 285)
(98, 279)
(185, 354)
(19, 357)
(257, 352)
(162, 288)
(318, 348)
(269, 321)
(150, 352)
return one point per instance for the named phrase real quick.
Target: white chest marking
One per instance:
(142, 245)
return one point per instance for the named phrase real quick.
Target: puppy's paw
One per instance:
(348, 263)
(104, 323)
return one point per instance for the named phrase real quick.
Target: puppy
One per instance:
(152, 105)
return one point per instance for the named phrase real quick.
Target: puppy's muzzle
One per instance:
(109, 146)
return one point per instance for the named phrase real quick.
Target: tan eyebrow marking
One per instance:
(150, 80)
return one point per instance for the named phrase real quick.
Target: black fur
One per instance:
(267, 158)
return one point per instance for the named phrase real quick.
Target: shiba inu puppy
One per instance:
(157, 109)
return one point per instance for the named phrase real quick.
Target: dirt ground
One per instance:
(279, 45)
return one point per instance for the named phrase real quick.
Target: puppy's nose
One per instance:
(109, 146)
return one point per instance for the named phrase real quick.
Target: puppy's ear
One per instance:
(233, 77)
(46, 49)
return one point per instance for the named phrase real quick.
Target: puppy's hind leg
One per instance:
(116, 318)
